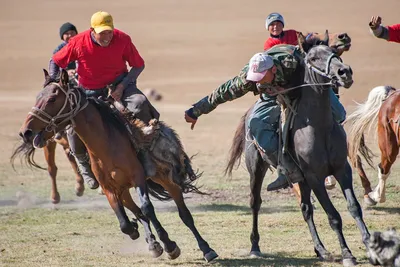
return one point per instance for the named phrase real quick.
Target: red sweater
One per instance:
(394, 33)
(288, 37)
(99, 66)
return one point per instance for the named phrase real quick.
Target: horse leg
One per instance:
(257, 168)
(154, 247)
(49, 154)
(79, 185)
(364, 182)
(127, 227)
(389, 148)
(345, 180)
(148, 210)
(176, 193)
(307, 210)
(335, 221)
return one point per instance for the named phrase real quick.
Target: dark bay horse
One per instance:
(316, 142)
(115, 159)
(49, 154)
(381, 112)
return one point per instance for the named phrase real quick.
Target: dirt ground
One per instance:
(190, 47)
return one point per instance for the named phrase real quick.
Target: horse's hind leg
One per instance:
(147, 209)
(345, 180)
(334, 218)
(308, 215)
(79, 186)
(257, 168)
(176, 193)
(154, 247)
(49, 154)
(389, 147)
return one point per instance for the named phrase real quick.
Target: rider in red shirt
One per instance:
(102, 53)
(275, 24)
(389, 33)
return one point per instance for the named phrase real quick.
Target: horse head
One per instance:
(56, 105)
(339, 42)
(323, 65)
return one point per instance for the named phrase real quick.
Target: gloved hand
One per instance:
(375, 22)
(190, 117)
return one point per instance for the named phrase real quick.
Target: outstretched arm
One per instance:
(230, 90)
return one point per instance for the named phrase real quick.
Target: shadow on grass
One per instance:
(390, 210)
(244, 209)
(279, 259)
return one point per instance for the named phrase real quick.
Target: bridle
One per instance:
(324, 73)
(73, 98)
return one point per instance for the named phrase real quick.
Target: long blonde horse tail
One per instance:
(363, 118)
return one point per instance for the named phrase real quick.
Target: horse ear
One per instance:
(46, 74)
(303, 44)
(326, 39)
(64, 77)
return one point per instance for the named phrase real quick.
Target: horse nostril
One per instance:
(26, 135)
(341, 72)
(344, 71)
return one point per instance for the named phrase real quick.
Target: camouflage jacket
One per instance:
(286, 59)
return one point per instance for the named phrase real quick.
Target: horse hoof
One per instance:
(175, 253)
(369, 201)
(156, 249)
(255, 254)
(79, 189)
(210, 256)
(349, 262)
(324, 255)
(135, 235)
(330, 186)
(55, 199)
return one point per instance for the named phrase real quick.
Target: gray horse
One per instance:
(316, 142)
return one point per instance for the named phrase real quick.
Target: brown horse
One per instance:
(115, 159)
(381, 111)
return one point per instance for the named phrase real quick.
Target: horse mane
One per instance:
(108, 116)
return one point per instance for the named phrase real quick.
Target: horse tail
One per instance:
(237, 147)
(363, 119)
(26, 153)
(170, 156)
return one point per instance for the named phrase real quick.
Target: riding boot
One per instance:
(82, 160)
(150, 168)
(289, 173)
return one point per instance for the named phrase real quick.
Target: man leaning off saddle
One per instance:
(102, 53)
(266, 74)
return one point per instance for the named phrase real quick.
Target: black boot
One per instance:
(289, 174)
(82, 160)
(280, 183)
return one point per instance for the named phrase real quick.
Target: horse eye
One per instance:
(52, 100)
(315, 58)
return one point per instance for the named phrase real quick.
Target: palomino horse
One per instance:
(316, 142)
(49, 154)
(115, 160)
(381, 112)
